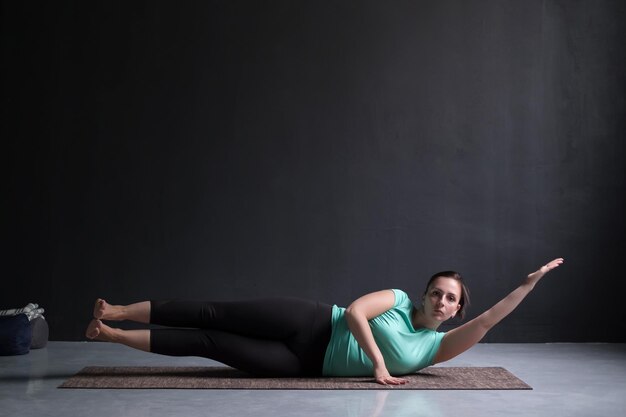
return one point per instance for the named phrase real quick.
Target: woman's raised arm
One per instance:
(460, 339)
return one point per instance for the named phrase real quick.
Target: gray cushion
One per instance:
(40, 333)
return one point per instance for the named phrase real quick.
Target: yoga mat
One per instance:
(432, 378)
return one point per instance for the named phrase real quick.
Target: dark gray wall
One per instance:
(232, 149)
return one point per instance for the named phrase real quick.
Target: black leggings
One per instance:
(268, 337)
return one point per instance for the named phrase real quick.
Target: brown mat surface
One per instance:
(448, 378)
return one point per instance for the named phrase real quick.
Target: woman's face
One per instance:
(441, 301)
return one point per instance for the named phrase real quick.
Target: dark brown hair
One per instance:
(464, 301)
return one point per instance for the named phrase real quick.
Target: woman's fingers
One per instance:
(554, 263)
(390, 380)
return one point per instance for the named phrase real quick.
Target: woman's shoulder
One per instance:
(402, 298)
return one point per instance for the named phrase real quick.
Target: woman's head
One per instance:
(462, 296)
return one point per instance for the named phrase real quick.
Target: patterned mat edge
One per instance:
(247, 382)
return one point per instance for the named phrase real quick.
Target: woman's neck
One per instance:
(420, 321)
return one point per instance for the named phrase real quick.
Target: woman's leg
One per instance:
(256, 356)
(138, 312)
(252, 355)
(301, 328)
(277, 318)
(274, 318)
(277, 336)
(137, 339)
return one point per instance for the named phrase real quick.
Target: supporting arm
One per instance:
(357, 315)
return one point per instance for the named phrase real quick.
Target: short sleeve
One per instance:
(401, 297)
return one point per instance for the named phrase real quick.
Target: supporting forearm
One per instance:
(360, 329)
(358, 315)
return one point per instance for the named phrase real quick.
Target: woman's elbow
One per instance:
(353, 313)
(350, 311)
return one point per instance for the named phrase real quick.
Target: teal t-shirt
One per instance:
(404, 349)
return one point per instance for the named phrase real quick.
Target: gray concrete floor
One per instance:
(568, 380)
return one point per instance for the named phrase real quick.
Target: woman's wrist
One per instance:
(379, 363)
(534, 277)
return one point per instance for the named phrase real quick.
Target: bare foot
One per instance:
(99, 331)
(105, 311)
(94, 329)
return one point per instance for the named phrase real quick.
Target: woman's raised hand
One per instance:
(551, 265)
(534, 277)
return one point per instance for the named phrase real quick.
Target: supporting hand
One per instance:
(383, 378)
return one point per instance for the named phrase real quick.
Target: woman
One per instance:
(379, 334)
